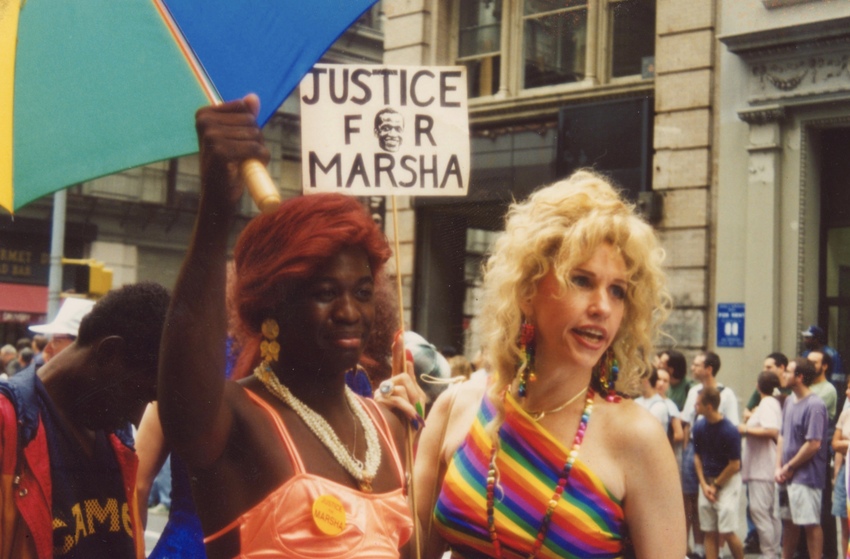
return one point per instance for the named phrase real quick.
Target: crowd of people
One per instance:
(297, 427)
(785, 457)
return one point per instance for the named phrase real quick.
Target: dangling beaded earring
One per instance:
(607, 372)
(526, 368)
(269, 348)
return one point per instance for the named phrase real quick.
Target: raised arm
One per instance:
(195, 418)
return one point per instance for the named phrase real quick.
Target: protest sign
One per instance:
(385, 130)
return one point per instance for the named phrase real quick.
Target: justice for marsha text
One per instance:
(385, 130)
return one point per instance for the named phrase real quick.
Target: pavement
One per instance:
(156, 523)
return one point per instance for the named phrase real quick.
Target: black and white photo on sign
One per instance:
(385, 130)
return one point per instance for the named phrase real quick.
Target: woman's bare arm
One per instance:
(428, 472)
(653, 493)
(194, 416)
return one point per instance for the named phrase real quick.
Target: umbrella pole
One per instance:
(410, 434)
(260, 185)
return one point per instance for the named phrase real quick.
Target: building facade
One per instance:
(624, 86)
(783, 200)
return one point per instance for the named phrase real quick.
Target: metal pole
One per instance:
(57, 247)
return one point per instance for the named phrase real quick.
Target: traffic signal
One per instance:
(89, 277)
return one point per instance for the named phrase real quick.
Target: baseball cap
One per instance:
(68, 318)
(427, 361)
(813, 332)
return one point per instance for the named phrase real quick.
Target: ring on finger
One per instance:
(386, 387)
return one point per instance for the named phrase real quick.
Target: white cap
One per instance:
(68, 318)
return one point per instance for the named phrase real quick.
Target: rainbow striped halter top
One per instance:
(587, 522)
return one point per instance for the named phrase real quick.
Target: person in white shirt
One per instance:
(652, 401)
(759, 462)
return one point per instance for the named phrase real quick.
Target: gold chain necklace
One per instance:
(538, 415)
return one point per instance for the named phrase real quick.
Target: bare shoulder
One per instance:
(631, 428)
(458, 395)
(651, 482)
(249, 416)
(453, 412)
(236, 393)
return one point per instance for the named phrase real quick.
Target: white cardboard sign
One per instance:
(385, 130)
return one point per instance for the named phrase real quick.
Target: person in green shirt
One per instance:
(674, 363)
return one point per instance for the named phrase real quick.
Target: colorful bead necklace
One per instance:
(553, 502)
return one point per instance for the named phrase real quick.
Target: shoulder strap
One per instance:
(384, 430)
(297, 464)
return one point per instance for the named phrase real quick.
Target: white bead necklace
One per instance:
(364, 474)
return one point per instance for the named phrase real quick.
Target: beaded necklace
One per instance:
(553, 502)
(364, 474)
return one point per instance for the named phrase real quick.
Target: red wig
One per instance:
(277, 251)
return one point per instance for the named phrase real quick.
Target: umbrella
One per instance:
(94, 87)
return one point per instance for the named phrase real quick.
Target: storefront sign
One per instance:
(22, 317)
(385, 130)
(23, 261)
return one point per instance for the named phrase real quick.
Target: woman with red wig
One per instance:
(286, 461)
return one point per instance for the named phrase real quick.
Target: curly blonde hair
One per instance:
(558, 228)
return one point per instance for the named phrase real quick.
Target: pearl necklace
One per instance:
(559, 489)
(364, 474)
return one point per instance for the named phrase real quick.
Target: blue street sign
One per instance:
(730, 324)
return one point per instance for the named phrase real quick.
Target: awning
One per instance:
(23, 303)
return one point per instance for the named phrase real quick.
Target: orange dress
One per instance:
(282, 524)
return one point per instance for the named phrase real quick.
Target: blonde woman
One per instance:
(545, 460)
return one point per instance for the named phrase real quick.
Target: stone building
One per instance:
(782, 195)
(625, 86)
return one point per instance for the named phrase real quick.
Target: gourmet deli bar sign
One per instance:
(385, 130)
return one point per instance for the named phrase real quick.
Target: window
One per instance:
(632, 35)
(552, 42)
(554, 37)
(373, 18)
(480, 43)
